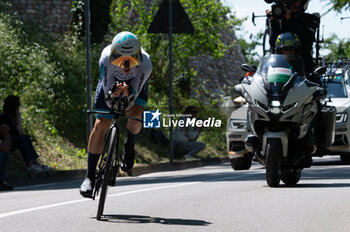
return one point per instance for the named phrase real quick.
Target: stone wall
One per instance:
(50, 15)
(218, 77)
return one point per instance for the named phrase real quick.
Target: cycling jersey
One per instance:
(110, 74)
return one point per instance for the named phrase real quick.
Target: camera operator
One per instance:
(290, 16)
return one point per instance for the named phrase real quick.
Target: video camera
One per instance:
(278, 7)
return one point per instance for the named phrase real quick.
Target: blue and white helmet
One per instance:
(126, 46)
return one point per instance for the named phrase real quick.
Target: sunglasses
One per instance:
(125, 62)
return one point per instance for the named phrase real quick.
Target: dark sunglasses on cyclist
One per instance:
(123, 61)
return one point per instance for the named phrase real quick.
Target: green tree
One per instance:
(249, 49)
(338, 5)
(336, 48)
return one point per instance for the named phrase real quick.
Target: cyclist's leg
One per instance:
(96, 141)
(102, 123)
(134, 128)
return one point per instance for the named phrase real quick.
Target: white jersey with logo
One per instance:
(137, 77)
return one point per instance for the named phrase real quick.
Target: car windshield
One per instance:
(277, 69)
(335, 86)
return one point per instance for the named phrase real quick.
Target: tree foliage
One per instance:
(249, 49)
(25, 68)
(338, 5)
(336, 48)
(48, 73)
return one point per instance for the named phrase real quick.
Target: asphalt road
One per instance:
(210, 198)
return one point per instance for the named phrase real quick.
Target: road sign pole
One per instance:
(88, 67)
(171, 18)
(171, 147)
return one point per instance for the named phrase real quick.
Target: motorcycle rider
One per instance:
(288, 44)
(126, 66)
(296, 21)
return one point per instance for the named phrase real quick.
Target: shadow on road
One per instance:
(157, 220)
(320, 162)
(319, 171)
(317, 185)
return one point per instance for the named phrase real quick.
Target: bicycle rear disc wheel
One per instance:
(111, 150)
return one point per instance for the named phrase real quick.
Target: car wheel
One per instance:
(241, 162)
(345, 158)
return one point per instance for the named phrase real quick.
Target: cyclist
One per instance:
(125, 67)
(295, 20)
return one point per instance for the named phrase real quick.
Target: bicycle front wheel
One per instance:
(111, 150)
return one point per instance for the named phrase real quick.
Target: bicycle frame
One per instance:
(109, 161)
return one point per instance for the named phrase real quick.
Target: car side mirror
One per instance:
(319, 71)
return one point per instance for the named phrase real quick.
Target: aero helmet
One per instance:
(126, 50)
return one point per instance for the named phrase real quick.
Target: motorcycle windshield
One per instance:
(277, 69)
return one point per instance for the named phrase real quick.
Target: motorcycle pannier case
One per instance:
(326, 127)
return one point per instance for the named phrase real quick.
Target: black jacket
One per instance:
(304, 25)
(6, 119)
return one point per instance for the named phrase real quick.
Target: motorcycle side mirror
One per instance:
(319, 71)
(248, 68)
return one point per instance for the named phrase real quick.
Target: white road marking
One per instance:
(22, 211)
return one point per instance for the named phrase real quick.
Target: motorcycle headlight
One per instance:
(289, 107)
(275, 107)
(342, 117)
(261, 106)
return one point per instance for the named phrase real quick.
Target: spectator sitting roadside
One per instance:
(11, 117)
(185, 144)
(4, 156)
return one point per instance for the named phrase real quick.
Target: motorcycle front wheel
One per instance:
(273, 162)
(291, 177)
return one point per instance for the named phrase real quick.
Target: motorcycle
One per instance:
(285, 120)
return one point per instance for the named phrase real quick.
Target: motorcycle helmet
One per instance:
(126, 50)
(287, 41)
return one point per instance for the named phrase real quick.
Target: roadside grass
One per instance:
(60, 154)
